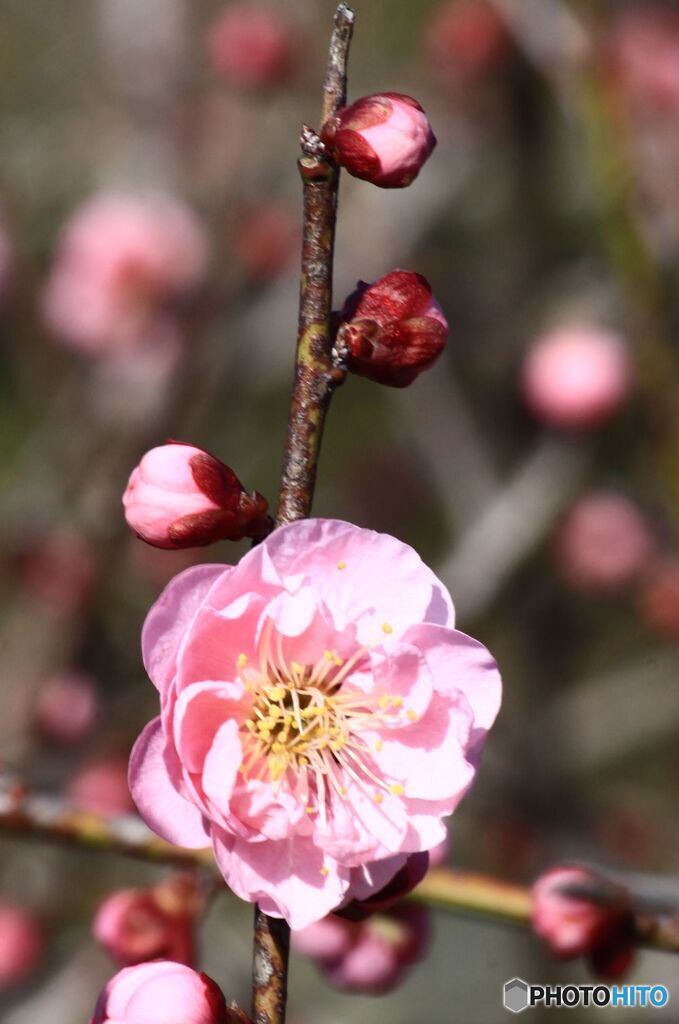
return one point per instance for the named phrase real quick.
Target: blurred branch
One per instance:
(512, 525)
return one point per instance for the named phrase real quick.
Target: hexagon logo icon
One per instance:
(515, 995)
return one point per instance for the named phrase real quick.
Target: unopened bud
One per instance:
(384, 139)
(160, 992)
(578, 913)
(391, 330)
(180, 496)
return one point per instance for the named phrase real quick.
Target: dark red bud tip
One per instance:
(391, 330)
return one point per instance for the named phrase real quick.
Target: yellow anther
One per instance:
(329, 655)
(310, 810)
(383, 702)
(287, 721)
(263, 725)
(276, 769)
(341, 565)
(396, 702)
(337, 744)
(378, 745)
(337, 660)
(412, 715)
(274, 712)
(297, 668)
(378, 798)
(397, 789)
(276, 693)
(304, 761)
(277, 748)
(249, 725)
(342, 791)
(325, 872)
(241, 660)
(387, 628)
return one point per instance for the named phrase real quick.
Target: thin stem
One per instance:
(315, 379)
(315, 375)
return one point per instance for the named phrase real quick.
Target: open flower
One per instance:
(320, 715)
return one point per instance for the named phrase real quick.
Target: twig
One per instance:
(315, 379)
(315, 375)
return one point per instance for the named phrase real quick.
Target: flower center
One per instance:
(302, 720)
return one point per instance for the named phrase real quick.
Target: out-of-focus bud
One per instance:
(161, 992)
(384, 139)
(391, 330)
(66, 708)
(579, 913)
(603, 543)
(134, 925)
(122, 261)
(180, 496)
(266, 241)
(576, 376)
(404, 881)
(464, 40)
(370, 957)
(21, 945)
(59, 570)
(640, 52)
(101, 787)
(659, 599)
(252, 46)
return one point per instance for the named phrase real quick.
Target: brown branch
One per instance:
(315, 375)
(315, 379)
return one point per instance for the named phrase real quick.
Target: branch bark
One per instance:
(314, 382)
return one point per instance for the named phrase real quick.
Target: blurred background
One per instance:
(149, 247)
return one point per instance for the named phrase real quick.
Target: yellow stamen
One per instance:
(341, 565)
(387, 628)
(396, 702)
(325, 872)
(397, 789)
(412, 715)
(242, 660)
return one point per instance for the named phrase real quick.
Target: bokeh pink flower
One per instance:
(385, 139)
(100, 786)
(22, 943)
(252, 45)
(67, 707)
(134, 925)
(122, 263)
(320, 715)
(603, 543)
(464, 39)
(182, 496)
(369, 957)
(577, 375)
(160, 992)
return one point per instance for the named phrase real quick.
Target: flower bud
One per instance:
(385, 139)
(134, 925)
(392, 329)
(369, 957)
(180, 496)
(578, 913)
(603, 543)
(160, 992)
(67, 707)
(576, 376)
(21, 945)
(100, 787)
(251, 46)
(659, 598)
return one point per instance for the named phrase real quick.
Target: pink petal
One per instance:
(169, 618)
(221, 765)
(199, 712)
(160, 805)
(285, 878)
(211, 647)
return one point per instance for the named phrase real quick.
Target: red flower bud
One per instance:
(385, 139)
(392, 330)
(180, 496)
(578, 913)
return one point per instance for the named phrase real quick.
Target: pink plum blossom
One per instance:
(465, 39)
(251, 45)
(100, 786)
(576, 376)
(21, 945)
(67, 707)
(134, 925)
(320, 715)
(603, 542)
(368, 957)
(384, 139)
(121, 262)
(640, 53)
(160, 992)
(181, 496)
